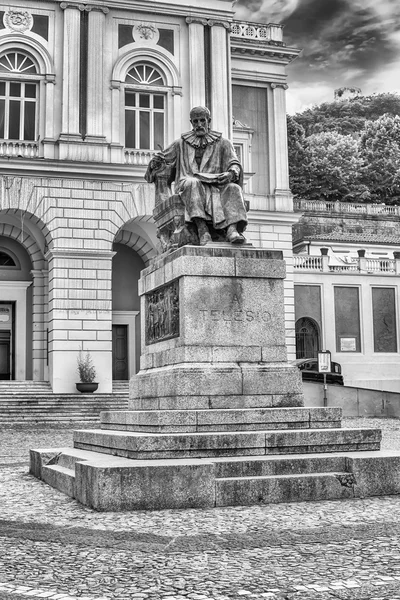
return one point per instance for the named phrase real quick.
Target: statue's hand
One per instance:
(158, 161)
(226, 177)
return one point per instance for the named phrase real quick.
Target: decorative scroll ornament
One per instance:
(18, 20)
(146, 33)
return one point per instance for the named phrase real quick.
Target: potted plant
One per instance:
(87, 374)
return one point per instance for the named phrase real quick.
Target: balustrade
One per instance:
(19, 149)
(139, 157)
(345, 207)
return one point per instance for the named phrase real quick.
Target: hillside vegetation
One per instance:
(347, 150)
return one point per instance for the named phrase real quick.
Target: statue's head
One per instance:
(200, 118)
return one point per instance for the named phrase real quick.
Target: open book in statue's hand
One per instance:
(210, 178)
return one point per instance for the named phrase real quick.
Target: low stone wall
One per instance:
(355, 402)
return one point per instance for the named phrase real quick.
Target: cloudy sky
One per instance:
(346, 43)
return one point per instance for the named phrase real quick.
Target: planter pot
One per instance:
(86, 388)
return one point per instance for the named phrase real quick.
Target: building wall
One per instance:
(73, 193)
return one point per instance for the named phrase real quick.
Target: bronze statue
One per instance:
(208, 179)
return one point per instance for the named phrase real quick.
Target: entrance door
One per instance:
(120, 352)
(5, 350)
(307, 338)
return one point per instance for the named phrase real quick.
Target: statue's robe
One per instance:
(197, 184)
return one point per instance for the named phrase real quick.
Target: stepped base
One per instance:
(109, 483)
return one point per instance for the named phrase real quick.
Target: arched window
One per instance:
(18, 96)
(307, 338)
(6, 260)
(145, 107)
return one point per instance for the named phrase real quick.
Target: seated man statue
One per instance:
(208, 178)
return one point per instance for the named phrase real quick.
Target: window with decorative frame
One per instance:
(145, 107)
(18, 96)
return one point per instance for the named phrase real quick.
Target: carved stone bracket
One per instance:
(50, 78)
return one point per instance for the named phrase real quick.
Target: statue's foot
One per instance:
(233, 236)
(204, 238)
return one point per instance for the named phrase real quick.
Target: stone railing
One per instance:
(345, 207)
(19, 149)
(138, 157)
(309, 263)
(361, 265)
(256, 31)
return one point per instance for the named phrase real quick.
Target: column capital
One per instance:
(198, 20)
(284, 86)
(213, 23)
(65, 5)
(95, 7)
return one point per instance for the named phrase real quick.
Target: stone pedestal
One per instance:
(213, 327)
(216, 414)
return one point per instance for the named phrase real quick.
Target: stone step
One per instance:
(261, 466)
(220, 443)
(273, 489)
(175, 421)
(107, 482)
(61, 478)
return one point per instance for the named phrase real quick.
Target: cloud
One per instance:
(271, 11)
(344, 42)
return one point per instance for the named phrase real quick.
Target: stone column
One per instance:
(39, 333)
(71, 71)
(48, 141)
(80, 316)
(220, 96)
(197, 61)
(95, 79)
(117, 145)
(280, 174)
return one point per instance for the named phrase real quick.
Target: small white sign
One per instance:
(324, 362)
(348, 344)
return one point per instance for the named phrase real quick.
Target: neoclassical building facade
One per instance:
(88, 92)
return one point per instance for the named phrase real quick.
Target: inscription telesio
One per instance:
(237, 315)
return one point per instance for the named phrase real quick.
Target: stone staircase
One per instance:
(141, 460)
(33, 402)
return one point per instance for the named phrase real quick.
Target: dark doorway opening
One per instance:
(5, 355)
(120, 352)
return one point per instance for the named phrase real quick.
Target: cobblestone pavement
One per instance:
(52, 547)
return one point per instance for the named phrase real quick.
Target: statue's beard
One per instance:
(200, 131)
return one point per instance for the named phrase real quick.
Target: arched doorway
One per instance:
(16, 307)
(126, 268)
(307, 338)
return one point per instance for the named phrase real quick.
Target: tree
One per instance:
(380, 154)
(347, 150)
(296, 151)
(333, 166)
